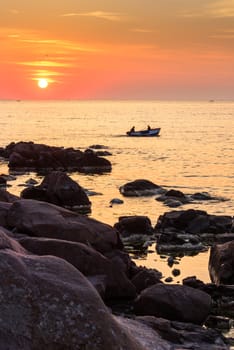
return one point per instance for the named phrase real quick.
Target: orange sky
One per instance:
(102, 49)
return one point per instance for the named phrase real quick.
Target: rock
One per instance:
(134, 225)
(86, 260)
(221, 224)
(146, 278)
(221, 263)
(2, 181)
(31, 182)
(8, 177)
(222, 296)
(219, 322)
(7, 242)
(140, 188)
(26, 156)
(168, 279)
(103, 153)
(172, 203)
(138, 243)
(89, 162)
(41, 219)
(174, 302)
(199, 224)
(98, 147)
(204, 196)
(116, 201)
(172, 242)
(59, 189)
(175, 194)
(194, 222)
(173, 198)
(175, 272)
(180, 335)
(170, 261)
(4, 209)
(48, 304)
(8, 197)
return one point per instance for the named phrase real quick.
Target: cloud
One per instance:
(45, 64)
(217, 9)
(222, 8)
(224, 34)
(14, 11)
(141, 30)
(109, 16)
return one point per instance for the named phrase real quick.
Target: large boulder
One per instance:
(140, 188)
(145, 278)
(58, 188)
(4, 209)
(221, 263)
(90, 162)
(174, 302)
(48, 304)
(8, 197)
(194, 222)
(86, 260)
(8, 242)
(131, 225)
(42, 219)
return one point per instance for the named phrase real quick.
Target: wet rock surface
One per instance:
(59, 189)
(191, 230)
(57, 268)
(140, 188)
(174, 198)
(134, 225)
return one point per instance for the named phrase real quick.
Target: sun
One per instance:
(42, 83)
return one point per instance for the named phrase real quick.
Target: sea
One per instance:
(194, 153)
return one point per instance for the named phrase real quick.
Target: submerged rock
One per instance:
(140, 188)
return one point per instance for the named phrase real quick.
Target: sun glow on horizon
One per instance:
(43, 83)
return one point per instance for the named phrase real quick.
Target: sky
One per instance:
(117, 49)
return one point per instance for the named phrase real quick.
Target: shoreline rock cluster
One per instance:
(29, 156)
(59, 268)
(63, 275)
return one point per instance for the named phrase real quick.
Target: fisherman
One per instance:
(132, 129)
(149, 128)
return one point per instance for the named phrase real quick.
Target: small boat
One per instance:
(144, 133)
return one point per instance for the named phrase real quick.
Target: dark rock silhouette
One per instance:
(38, 157)
(58, 188)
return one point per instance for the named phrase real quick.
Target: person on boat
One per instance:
(132, 129)
(148, 128)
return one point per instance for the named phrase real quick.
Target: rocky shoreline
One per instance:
(68, 281)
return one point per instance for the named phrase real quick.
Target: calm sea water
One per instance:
(194, 153)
